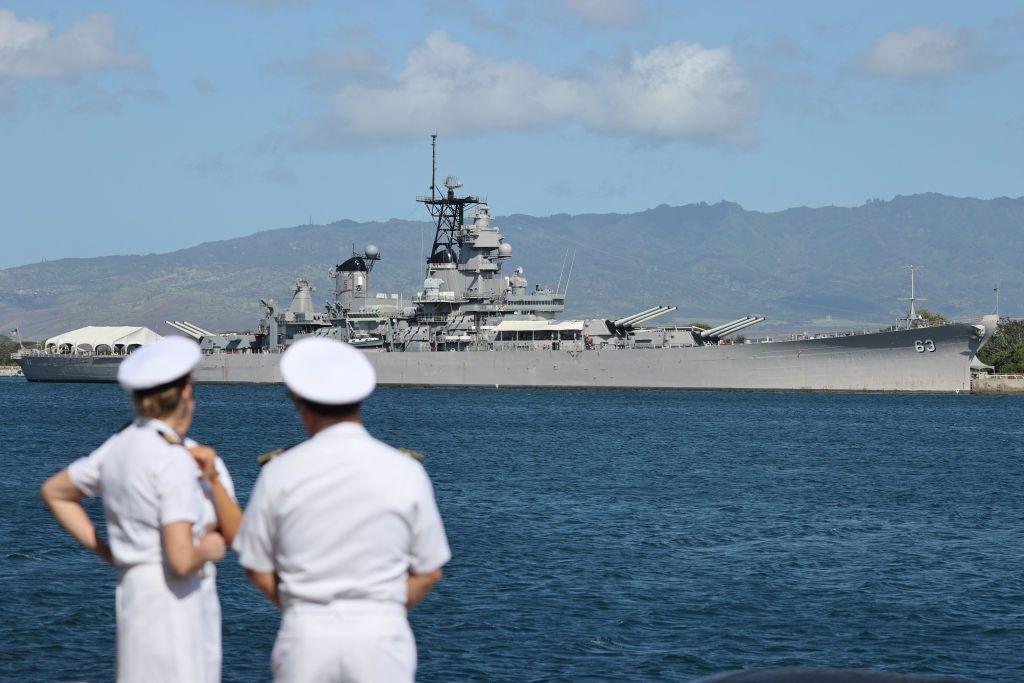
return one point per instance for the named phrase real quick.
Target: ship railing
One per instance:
(74, 354)
(532, 346)
(808, 336)
(44, 353)
(804, 336)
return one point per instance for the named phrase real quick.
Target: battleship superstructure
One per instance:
(472, 325)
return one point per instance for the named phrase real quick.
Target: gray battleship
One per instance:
(472, 325)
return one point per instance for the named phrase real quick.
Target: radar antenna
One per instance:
(447, 210)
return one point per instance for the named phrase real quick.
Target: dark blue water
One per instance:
(604, 535)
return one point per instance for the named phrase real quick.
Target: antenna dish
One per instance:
(452, 182)
(371, 251)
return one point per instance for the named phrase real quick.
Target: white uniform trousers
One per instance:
(347, 641)
(211, 623)
(159, 626)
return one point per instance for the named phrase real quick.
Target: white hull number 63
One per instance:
(926, 345)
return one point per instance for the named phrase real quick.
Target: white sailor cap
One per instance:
(327, 371)
(159, 363)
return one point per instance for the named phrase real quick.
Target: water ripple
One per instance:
(605, 535)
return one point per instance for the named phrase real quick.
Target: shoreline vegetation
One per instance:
(9, 346)
(1005, 350)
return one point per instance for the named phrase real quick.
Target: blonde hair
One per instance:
(162, 400)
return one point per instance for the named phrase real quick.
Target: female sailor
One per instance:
(152, 501)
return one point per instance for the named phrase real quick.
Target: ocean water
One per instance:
(603, 535)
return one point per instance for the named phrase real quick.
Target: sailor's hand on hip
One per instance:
(205, 457)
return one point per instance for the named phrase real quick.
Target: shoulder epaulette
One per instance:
(268, 456)
(415, 455)
(172, 439)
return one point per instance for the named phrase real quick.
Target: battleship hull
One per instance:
(934, 359)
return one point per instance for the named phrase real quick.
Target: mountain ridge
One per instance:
(715, 261)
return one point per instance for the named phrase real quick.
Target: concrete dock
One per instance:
(997, 384)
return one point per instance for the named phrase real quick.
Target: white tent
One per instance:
(92, 339)
(978, 366)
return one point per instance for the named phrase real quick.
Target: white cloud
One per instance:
(469, 11)
(609, 13)
(681, 90)
(676, 91)
(324, 69)
(923, 53)
(29, 49)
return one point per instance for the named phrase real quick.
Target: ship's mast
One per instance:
(448, 212)
(912, 315)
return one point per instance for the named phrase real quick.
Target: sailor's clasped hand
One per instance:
(205, 458)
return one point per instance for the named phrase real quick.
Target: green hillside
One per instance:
(803, 267)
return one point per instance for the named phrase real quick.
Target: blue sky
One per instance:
(130, 127)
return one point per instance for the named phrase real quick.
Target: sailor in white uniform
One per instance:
(153, 504)
(341, 531)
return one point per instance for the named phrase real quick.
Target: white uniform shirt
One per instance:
(146, 484)
(210, 512)
(342, 516)
(209, 519)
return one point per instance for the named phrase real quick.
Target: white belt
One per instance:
(347, 608)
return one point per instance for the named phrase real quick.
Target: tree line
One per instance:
(1005, 350)
(9, 346)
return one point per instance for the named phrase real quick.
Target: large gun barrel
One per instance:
(734, 326)
(662, 310)
(622, 322)
(189, 329)
(738, 325)
(716, 331)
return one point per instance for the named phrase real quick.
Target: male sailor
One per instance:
(341, 531)
(153, 502)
